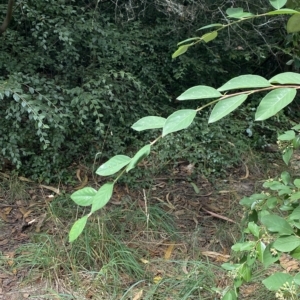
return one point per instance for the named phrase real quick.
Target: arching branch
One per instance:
(8, 16)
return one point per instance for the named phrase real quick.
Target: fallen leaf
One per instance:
(83, 183)
(138, 295)
(3, 217)
(157, 279)
(40, 222)
(216, 255)
(3, 242)
(51, 188)
(169, 251)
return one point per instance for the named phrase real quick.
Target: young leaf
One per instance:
(179, 120)
(287, 243)
(84, 197)
(113, 165)
(199, 92)
(77, 228)
(277, 4)
(245, 81)
(283, 11)
(293, 24)
(209, 36)
(275, 223)
(102, 197)
(287, 155)
(275, 281)
(296, 253)
(225, 107)
(142, 153)
(287, 136)
(211, 26)
(286, 78)
(150, 122)
(273, 102)
(182, 49)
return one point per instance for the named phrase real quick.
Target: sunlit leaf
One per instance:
(113, 165)
(77, 228)
(150, 122)
(283, 11)
(179, 120)
(277, 4)
(275, 281)
(286, 78)
(182, 49)
(225, 107)
(245, 81)
(209, 36)
(293, 24)
(274, 102)
(142, 153)
(199, 92)
(84, 197)
(102, 197)
(211, 26)
(287, 243)
(287, 136)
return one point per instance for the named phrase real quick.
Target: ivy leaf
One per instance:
(102, 197)
(275, 281)
(275, 223)
(273, 102)
(142, 153)
(182, 49)
(179, 120)
(225, 107)
(199, 92)
(245, 81)
(287, 243)
(113, 165)
(286, 78)
(277, 4)
(149, 122)
(293, 24)
(84, 197)
(211, 26)
(283, 11)
(209, 36)
(287, 136)
(77, 228)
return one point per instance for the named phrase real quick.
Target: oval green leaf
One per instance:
(150, 122)
(142, 153)
(225, 107)
(275, 281)
(275, 223)
(287, 243)
(286, 78)
(245, 81)
(113, 165)
(277, 4)
(102, 197)
(287, 136)
(293, 24)
(268, 257)
(273, 102)
(238, 13)
(283, 11)
(182, 49)
(84, 197)
(179, 120)
(209, 36)
(287, 155)
(199, 92)
(77, 228)
(211, 26)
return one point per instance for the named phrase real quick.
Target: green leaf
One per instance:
(275, 223)
(274, 102)
(295, 196)
(293, 24)
(295, 215)
(287, 155)
(245, 81)
(113, 165)
(296, 127)
(285, 177)
(84, 197)
(297, 183)
(209, 36)
(149, 122)
(182, 49)
(77, 228)
(230, 266)
(286, 243)
(188, 40)
(243, 246)
(286, 78)
(245, 272)
(142, 153)
(102, 197)
(230, 295)
(268, 257)
(179, 120)
(275, 281)
(199, 92)
(254, 229)
(283, 11)
(296, 253)
(297, 278)
(260, 249)
(238, 13)
(277, 4)
(225, 107)
(196, 189)
(211, 26)
(287, 136)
